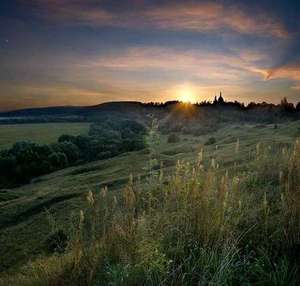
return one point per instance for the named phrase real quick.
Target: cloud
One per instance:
(212, 17)
(199, 64)
(200, 17)
(288, 71)
(296, 86)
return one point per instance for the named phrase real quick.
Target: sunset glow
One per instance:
(187, 94)
(160, 140)
(88, 52)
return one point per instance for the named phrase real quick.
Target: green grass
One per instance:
(24, 227)
(40, 133)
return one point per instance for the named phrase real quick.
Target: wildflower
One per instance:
(257, 149)
(115, 201)
(103, 192)
(90, 198)
(129, 197)
(280, 176)
(81, 216)
(236, 180)
(130, 179)
(161, 172)
(265, 202)
(283, 151)
(282, 198)
(237, 145)
(193, 172)
(213, 163)
(225, 200)
(200, 156)
(240, 204)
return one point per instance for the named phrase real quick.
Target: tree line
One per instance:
(26, 160)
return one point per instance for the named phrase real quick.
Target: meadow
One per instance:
(183, 213)
(39, 133)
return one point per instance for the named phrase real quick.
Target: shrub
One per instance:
(58, 160)
(210, 141)
(173, 138)
(67, 138)
(57, 242)
(69, 149)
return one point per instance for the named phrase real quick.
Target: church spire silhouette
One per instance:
(220, 99)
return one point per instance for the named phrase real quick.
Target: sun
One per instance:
(187, 94)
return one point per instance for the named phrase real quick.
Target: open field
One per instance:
(23, 221)
(40, 133)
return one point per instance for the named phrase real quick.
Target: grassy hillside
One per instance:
(25, 224)
(40, 133)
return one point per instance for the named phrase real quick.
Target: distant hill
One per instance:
(173, 115)
(125, 106)
(42, 111)
(70, 113)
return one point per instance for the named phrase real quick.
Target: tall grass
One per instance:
(200, 225)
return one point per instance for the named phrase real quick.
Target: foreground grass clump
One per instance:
(200, 225)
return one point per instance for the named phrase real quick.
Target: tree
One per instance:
(7, 165)
(66, 138)
(70, 149)
(215, 100)
(210, 141)
(173, 138)
(58, 160)
(286, 106)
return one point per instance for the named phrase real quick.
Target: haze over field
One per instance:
(76, 52)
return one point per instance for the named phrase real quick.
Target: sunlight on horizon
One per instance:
(187, 94)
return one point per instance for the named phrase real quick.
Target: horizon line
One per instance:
(148, 102)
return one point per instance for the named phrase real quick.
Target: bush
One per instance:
(67, 138)
(210, 141)
(173, 138)
(58, 160)
(57, 242)
(69, 149)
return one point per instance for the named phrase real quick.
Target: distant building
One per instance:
(219, 100)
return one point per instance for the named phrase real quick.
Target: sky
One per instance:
(85, 52)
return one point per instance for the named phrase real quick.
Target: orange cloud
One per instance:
(195, 63)
(35, 95)
(291, 72)
(210, 17)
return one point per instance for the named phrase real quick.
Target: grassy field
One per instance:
(24, 224)
(40, 133)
